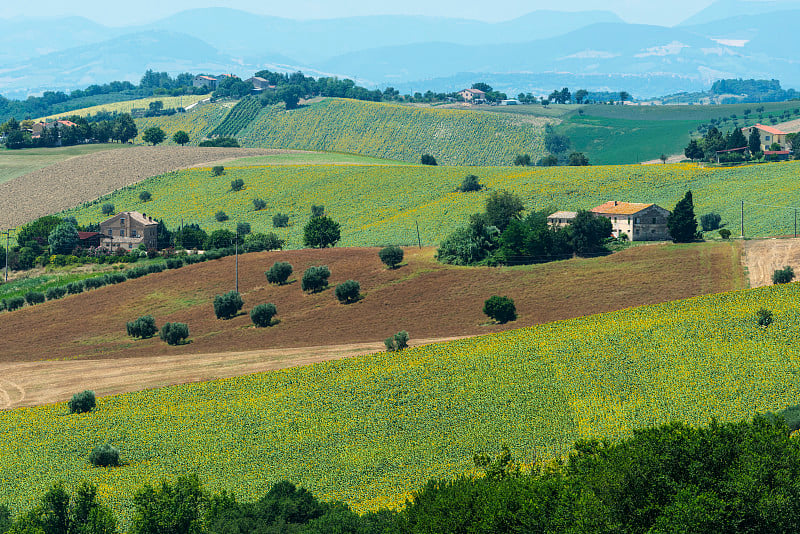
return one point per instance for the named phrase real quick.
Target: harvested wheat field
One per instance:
(84, 178)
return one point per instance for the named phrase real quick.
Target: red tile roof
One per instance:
(620, 208)
(87, 235)
(776, 152)
(768, 129)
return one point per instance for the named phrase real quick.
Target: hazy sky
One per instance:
(139, 11)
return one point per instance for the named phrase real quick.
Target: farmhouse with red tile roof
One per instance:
(128, 230)
(769, 135)
(640, 222)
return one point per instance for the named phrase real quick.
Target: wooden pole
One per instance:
(742, 219)
(419, 241)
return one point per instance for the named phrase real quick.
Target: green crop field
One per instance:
(368, 430)
(197, 122)
(453, 137)
(378, 205)
(15, 163)
(311, 158)
(630, 134)
(127, 105)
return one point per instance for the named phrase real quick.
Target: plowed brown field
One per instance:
(428, 299)
(51, 350)
(80, 179)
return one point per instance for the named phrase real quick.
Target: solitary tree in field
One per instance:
(180, 137)
(154, 135)
(321, 232)
(681, 223)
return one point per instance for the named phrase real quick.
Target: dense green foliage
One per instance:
(315, 278)
(82, 402)
(154, 135)
(228, 305)
(237, 184)
(348, 292)
(63, 239)
(174, 333)
(391, 256)
(321, 232)
(710, 221)
(279, 273)
(783, 276)
(262, 314)
(397, 342)
(144, 327)
(470, 183)
(105, 455)
(501, 309)
(681, 223)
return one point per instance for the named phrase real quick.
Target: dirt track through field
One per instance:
(762, 257)
(36, 383)
(84, 178)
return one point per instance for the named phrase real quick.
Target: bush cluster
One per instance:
(82, 402)
(348, 291)
(104, 456)
(783, 276)
(174, 333)
(279, 273)
(34, 297)
(391, 256)
(259, 204)
(397, 342)
(144, 327)
(228, 305)
(280, 220)
(237, 184)
(501, 309)
(262, 314)
(315, 278)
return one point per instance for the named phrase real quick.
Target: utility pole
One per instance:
(7, 233)
(419, 241)
(795, 222)
(236, 248)
(742, 219)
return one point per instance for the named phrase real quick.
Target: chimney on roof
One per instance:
(144, 215)
(615, 202)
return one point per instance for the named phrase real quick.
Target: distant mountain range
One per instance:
(532, 53)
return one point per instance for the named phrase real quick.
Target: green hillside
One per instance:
(370, 429)
(377, 205)
(630, 134)
(393, 131)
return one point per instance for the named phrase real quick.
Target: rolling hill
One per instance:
(379, 205)
(391, 131)
(370, 429)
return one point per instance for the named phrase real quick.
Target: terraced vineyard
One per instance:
(453, 137)
(377, 205)
(370, 429)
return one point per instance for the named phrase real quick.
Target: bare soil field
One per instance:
(80, 179)
(35, 383)
(428, 299)
(762, 257)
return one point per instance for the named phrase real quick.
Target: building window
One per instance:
(110, 231)
(133, 233)
(122, 233)
(122, 220)
(637, 220)
(654, 220)
(766, 138)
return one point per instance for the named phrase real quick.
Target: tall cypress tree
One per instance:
(681, 223)
(754, 142)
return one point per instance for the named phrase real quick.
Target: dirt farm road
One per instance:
(36, 383)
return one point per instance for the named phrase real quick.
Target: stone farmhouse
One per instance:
(128, 230)
(205, 81)
(769, 135)
(560, 219)
(473, 96)
(640, 222)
